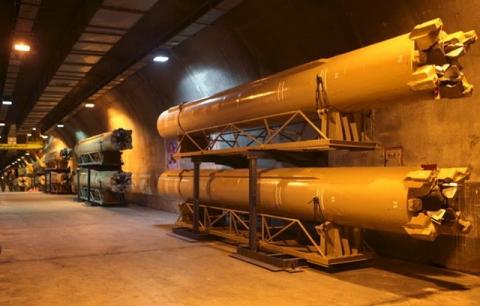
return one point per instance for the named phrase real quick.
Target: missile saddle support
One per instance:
(99, 177)
(318, 106)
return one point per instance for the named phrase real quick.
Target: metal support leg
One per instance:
(252, 204)
(196, 195)
(88, 185)
(78, 184)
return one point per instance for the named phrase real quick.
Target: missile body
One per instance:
(114, 181)
(51, 157)
(117, 140)
(402, 200)
(60, 178)
(422, 63)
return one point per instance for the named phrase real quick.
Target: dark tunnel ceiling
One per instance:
(77, 48)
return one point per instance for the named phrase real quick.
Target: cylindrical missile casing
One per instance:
(116, 140)
(59, 178)
(115, 181)
(51, 157)
(400, 68)
(377, 198)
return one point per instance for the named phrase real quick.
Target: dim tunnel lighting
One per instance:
(7, 102)
(22, 47)
(60, 125)
(161, 58)
(89, 105)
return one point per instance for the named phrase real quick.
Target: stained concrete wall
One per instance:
(262, 37)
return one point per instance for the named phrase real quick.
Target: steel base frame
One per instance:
(329, 246)
(100, 197)
(107, 158)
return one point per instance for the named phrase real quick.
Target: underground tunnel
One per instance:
(239, 152)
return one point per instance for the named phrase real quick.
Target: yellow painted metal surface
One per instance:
(21, 146)
(380, 198)
(420, 64)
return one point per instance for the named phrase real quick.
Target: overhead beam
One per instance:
(79, 21)
(142, 38)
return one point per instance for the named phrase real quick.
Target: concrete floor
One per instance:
(60, 252)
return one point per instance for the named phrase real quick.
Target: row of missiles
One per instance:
(420, 65)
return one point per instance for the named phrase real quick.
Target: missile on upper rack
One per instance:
(116, 140)
(420, 64)
(420, 203)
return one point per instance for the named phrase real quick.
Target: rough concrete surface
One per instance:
(56, 251)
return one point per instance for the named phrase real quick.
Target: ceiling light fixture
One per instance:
(161, 58)
(89, 105)
(7, 102)
(44, 136)
(34, 129)
(29, 135)
(60, 125)
(2, 124)
(22, 47)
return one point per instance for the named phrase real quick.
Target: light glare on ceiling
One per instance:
(161, 58)
(22, 47)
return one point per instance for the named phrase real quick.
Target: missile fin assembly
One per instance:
(422, 64)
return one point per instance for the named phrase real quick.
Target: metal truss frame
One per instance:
(330, 248)
(323, 131)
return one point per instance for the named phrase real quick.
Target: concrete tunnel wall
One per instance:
(259, 38)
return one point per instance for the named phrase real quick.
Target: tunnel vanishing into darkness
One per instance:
(102, 52)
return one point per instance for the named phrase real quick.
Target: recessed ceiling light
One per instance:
(29, 134)
(7, 102)
(60, 125)
(27, 154)
(34, 129)
(2, 123)
(89, 105)
(22, 47)
(161, 58)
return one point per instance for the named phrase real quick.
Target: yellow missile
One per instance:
(420, 203)
(420, 64)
